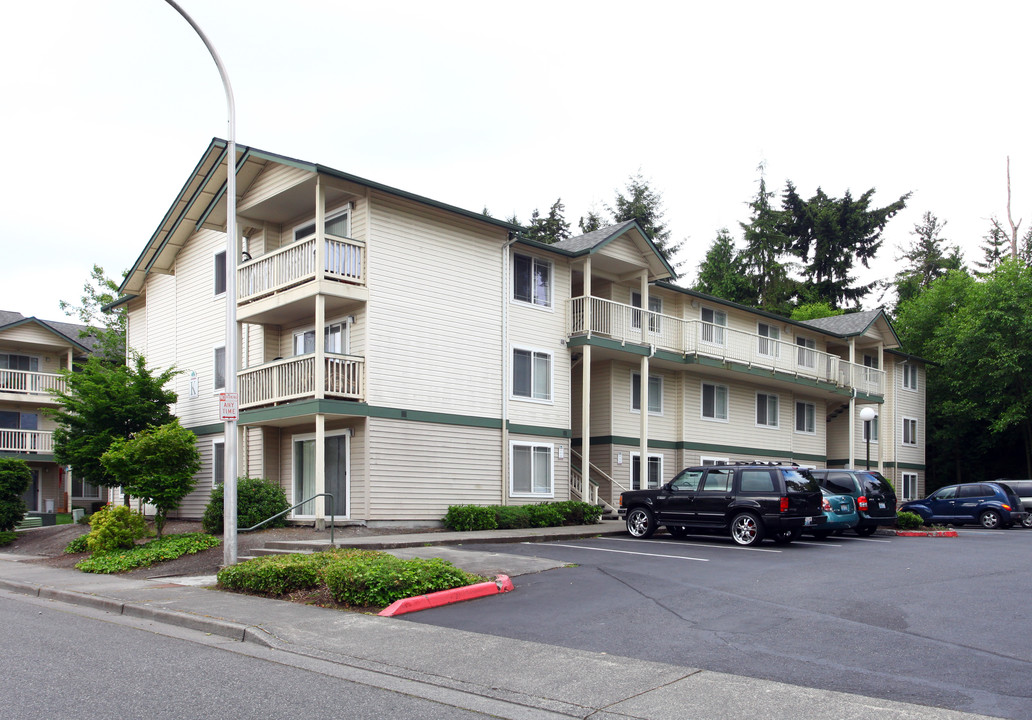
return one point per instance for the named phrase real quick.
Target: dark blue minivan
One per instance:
(992, 504)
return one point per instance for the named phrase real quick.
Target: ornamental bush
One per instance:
(908, 521)
(257, 500)
(470, 517)
(115, 527)
(78, 545)
(379, 579)
(506, 517)
(511, 517)
(544, 515)
(166, 548)
(15, 478)
(7, 537)
(279, 574)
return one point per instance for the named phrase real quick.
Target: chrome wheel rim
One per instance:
(744, 530)
(990, 520)
(637, 523)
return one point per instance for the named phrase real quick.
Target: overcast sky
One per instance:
(108, 105)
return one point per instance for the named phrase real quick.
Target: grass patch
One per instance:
(167, 548)
(346, 578)
(7, 537)
(63, 519)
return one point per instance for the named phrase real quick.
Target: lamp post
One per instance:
(229, 539)
(868, 415)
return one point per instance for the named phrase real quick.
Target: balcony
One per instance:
(294, 379)
(27, 441)
(627, 324)
(269, 287)
(32, 386)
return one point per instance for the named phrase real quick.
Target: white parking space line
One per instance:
(625, 552)
(695, 544)
(815, 544)
(862, 539)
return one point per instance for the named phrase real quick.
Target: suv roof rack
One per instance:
(767, 463)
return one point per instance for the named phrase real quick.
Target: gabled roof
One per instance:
(851, 324)
(200, 203)
(69, 332)
(594, 241)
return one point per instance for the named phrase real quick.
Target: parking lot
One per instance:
(936, 621)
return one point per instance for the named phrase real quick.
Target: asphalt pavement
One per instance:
(500, 676)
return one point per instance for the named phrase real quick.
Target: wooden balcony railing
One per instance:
(294, 379)
(295, 264)
(628, 324)
(27, 441)
(23, 382)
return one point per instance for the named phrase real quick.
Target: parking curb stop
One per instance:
(500, 584)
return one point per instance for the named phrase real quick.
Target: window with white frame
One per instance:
(909, 431)
(713, 460)
(806, 417)
(82, 489)
(806, 352)
(335, 336)
(655, 309)
(532, 280)
(28, 363)
(655, 394)
(714, 323)
(909, 376)
(870, 430)
(655, 472)
(767, 343)
(909, 486)
(766, 410)
(714, 402)
(531, 374)
(337, 224)
(871, 361)
(218, 461)
(219, 367)
(220, 272)
(530, 469)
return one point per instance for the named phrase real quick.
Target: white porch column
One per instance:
(319, 373)
(643, 400)
(852, 403)
(586, 385)
(320, 470)
(880, 408)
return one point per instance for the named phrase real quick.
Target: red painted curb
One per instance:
(501, 584)
(928, 533)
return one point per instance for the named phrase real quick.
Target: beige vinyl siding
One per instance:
(273, 180)
(434, 334)
(193, 505)
(623, 248)
(626, 421)
(912, 405)
(29, 335)
(136, 326)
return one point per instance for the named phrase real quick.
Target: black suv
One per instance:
(749, 500)
(874, 496)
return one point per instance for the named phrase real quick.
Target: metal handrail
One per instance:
(329, 495)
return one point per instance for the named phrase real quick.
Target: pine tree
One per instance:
(721, 272)
(995, 248)
(591, 222)
(645, 205)
(766, 246)
(550, 229)
(927, 258)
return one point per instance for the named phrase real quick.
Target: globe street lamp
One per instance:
(868, 414)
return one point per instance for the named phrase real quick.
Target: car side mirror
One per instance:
(670, 487)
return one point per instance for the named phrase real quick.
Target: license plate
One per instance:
(881, 506)
(808, 521)
(844, 507)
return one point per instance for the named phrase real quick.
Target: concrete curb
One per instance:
(501, 584)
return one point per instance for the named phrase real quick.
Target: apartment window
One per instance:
(19, 362)
(766, 410)
(655, 471)
(714, 402)
(713, 460)
(806, 418)
(909, 431)
(530, 469)
(713, 324)
(871, 361)
(219, 367)
(336, 224)
(532, 280)
(82, 489)
(335, 336)
(909, 376)
(655, 393)
(218, 462)
(909, 486)
(532, 374)
(806, 352)
(767, 343)
(220, 272)
(655, 309)
(871, 430)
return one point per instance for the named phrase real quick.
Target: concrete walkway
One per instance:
(498, 676)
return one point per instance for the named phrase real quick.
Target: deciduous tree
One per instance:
(106, 326)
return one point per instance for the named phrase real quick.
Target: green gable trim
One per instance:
(244, 157)
(874, 464)
(213, 429)
(635, 443)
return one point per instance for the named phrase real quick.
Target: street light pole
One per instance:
(229, 540)
(868, 415)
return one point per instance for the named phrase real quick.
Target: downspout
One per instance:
(505, 366)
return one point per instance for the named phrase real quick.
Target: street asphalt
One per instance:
(499, 676)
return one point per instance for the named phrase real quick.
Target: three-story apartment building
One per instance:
(407, 355)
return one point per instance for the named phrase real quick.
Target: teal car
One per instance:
(839, 514)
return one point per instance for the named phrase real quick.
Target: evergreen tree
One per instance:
(995, 248)
(591, 222)
(828, 235)
(645, 205)
(765, 248)
(550, 229)
(927, 258)
(721, 272)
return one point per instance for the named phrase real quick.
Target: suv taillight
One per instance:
(861, 502)
(784, 504)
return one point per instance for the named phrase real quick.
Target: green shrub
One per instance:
(115, 527)
(78, 545)
(512, 517)
(908, 521)
(470, 517)
(257, 500)
(378, 580)
(575, 512)
(279, 574)
(15, 478)
(167, 548)
(544, 515)
(7, 537)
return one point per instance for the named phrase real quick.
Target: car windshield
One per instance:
(798, 482)
(875, 484)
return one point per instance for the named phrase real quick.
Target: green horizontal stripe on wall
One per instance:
(29, 457)
(632, 443)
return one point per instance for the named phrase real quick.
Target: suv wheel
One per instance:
(990, 519)
(746, 529)
(783, 537)
(641, 523)
(865, 530)
(677, 531)
(1027, 521)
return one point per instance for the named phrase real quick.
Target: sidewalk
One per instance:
(499, 676)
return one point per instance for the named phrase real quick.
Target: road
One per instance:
(61, 660)
(938, 622)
